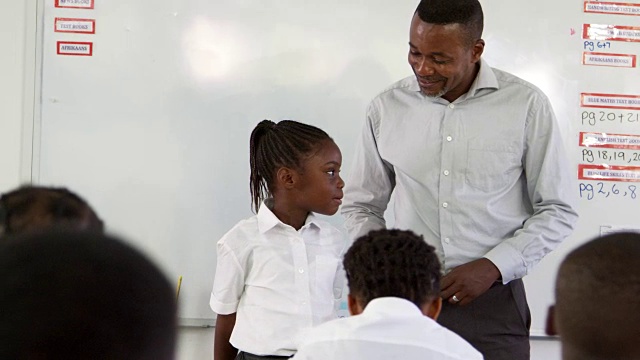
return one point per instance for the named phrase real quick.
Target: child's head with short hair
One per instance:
(395, 263)
(82, 295)
(35, 208)
(597, 311)
(298, 159)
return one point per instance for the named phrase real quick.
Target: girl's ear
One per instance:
(286, 178)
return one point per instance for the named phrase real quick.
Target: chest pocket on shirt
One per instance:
(492, 165)
(326, 269)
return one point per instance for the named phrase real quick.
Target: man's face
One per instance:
(442, 59)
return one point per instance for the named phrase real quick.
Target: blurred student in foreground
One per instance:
(36, 208)
(597, 310)
(394, 295)
(82, 295)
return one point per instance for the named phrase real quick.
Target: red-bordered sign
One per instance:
(603, 7)
(78, 26)
(608, 59)
(610, 101)
(75, 48)
(75, 4)
(608, 172)
(611, 32)
(606, 140)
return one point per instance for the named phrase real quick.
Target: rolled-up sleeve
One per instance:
(228, 283)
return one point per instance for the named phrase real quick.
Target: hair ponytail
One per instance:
(257, 182)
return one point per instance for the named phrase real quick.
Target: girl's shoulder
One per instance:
(240, 233)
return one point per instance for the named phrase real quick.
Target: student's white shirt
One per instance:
(388, 328)
(278, 280)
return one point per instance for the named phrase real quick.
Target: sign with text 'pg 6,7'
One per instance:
(74, 4)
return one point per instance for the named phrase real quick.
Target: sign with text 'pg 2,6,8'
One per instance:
(75, 48)
(74, 4)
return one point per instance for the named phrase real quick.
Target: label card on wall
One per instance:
(75, 48)
(75, 4)
(78, 26)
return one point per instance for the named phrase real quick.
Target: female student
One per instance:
(278, 271)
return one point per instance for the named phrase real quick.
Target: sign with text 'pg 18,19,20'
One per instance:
(75, 48)
(75, 4)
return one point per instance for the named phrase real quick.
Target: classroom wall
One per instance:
(13, 25)
(16, 19)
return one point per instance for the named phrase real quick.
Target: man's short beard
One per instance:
(438, 94)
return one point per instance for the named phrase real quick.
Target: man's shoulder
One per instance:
(408, 84)
(508, 81)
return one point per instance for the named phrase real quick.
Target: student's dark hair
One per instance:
(82, 295)
(285, 144)
(30, 208)
(467, 13)
(597, 306)
(395, 263)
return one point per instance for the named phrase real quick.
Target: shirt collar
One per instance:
(392, 306)
(267, 220)
(485, 79)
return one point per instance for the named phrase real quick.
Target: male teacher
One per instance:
(477, 164)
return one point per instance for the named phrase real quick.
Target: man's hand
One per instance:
(468, 281)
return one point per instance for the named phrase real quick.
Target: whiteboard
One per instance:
(153, 127)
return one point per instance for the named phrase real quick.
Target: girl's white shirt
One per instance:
(279, 281)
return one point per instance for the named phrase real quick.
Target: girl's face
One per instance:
(320, 184)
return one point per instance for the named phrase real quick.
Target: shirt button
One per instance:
(444, 204)
(451, 106)
(304, 303)
(449, 138)
(447, 240)
(446, 173)
(301, 270)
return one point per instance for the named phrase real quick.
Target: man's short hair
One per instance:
(598, 298)
(467, 13)
(392, 263)
(82, 295)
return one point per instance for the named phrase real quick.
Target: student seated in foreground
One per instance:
(82, 295)
(597, 311)
(35, 208)
(394, 295)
